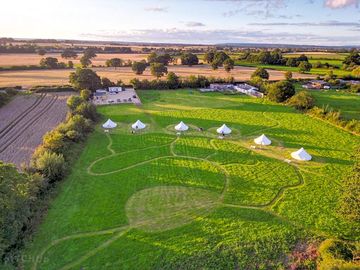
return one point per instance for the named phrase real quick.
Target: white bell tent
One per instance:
(301, 154)
(138, 125)
(224, 130)
(181, 126)
(262, 140)
(109, 124)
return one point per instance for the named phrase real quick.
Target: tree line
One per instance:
(25, 195)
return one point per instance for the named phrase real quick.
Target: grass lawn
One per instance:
(347, 103)
(155, 200)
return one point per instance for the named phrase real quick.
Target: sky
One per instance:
(302, 22)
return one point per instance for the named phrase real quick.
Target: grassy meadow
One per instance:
(155, 200)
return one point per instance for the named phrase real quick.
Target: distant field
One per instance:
(34, 59)
(30, 78)
(319, 55)
(154, 200)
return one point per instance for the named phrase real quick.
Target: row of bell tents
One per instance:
(300, 154)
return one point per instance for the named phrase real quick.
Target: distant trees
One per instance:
(302, 100)
(41, 51)
(106, 83)
(164, 59)
(173, 80)
(261, 73)
(84, 78)
(114, 62)
(288, 75)
(209, 56)
(189, 59)
(280, 91)
(158, 69)
(138, 67)
(85, 61)
(51, 63)
(218, 60)
(304, 66)
(353, 59)
(228, 64)
(69, 53)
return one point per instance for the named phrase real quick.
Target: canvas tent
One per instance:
(301, 154)
(224, 130)
(262, 140)
(109, 124)
(181, 126)
(138, 125)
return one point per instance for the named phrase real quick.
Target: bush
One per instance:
(261, 73)
(51, 165)
(355, 88)
(281, 91)
(303, 100)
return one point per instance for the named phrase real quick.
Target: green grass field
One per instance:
(155, 200)
(345, 102)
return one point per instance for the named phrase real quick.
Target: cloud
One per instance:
(335, 4)
(332, 23)
(194, 24)
(156, 9)
(196, 36)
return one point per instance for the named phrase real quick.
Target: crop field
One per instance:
(19, 59)
(24, 121)
(158, 200)
(30, 78)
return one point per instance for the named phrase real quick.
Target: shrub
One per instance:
(73, 102)
(85, 94)
(51, 165)
(261, 73)
(303, 100)
(281, 91)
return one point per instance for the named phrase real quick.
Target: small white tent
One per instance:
(262, 140)
(224, 130)
(109, 124)
(138, 125)
(301, 154)
(181, 126)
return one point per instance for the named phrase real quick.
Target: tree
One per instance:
(303, 100)
(41, 52)
(69, 53)
(106, 83)
(304, 67)
(165, 59)
(209, 56)
(138, 67)
(84, 78)
(89, 53)
(158, 69)
(114, 62)
(51, 165)
(261, 72)
(85, 94)
(70, 64)
(74, 101)
(85, 61)
(292, 62)
(49, 62)
(189, 59)
(172, 80)
(281, 91)
(356, 72)
(229, 64)
(288, 75)
(352, 59)
(302, 58)
(350, 198)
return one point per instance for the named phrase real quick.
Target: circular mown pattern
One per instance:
(168, 207)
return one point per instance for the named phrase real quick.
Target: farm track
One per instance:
(19, 117)
(28, 124)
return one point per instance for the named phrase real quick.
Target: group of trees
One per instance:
(352, 60)
(189, 59)
(24, 194)
(51, 63)
(218, 59)
(89, 53)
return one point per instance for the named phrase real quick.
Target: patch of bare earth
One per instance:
(23, 123)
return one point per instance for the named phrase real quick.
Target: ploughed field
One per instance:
(155, 200)
(24, 121)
